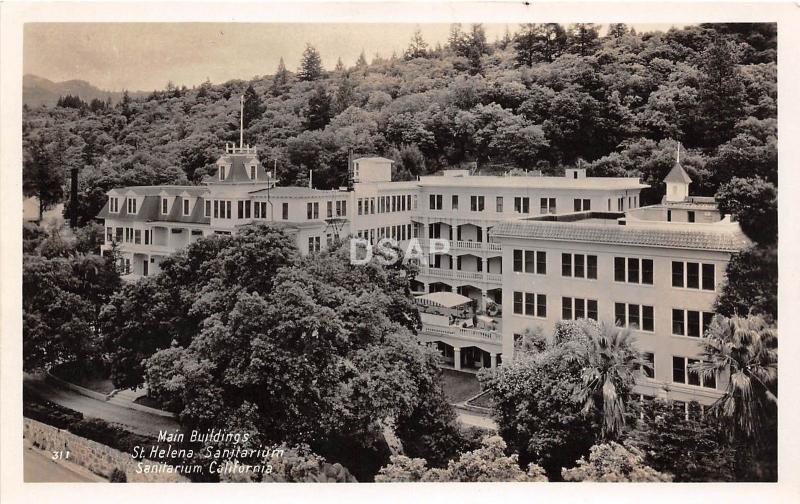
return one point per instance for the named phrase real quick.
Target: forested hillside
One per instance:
(545, 97)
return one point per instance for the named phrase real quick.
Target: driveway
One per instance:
(139, 422)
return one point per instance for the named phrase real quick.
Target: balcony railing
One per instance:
(451, 274)
(463, 333)
(472, 245)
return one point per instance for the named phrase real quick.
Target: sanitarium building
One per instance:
(530, 250)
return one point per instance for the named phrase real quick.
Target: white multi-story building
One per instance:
(528, 250)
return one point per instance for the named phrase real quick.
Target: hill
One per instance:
(546, 97)
(38, 91)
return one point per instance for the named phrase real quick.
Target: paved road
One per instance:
(136, 421)
(475, 420)
(38, 467)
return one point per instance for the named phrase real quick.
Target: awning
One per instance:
(443, 299)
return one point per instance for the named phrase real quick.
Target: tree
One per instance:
(692, 449)
(56, 319)
(253, 108)
(489, 463)
(330, 341)
(610, 366)
(280, 82)
(345, 93)
(310, 65)
(535, 405)
(745, 350)
(754, 203)
(41, 177)
(751, 284)
(582, 38)
(721, 90)
(613, 462)
(617, 30)
(417, 48)
(319, 109)
(361, 63)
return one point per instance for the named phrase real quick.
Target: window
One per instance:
(620, 204)
(530, 304)
(113, 205)
(683, 372)
(709, 282)
(118, 234)
(252, 172)
(341, 208)
(693, 275)
(207, 212)
(240, 209)
(499, 204)
(582, 205)
(131, 205)
(579, 265)
(454, 202)
(137, 236)
(633, 270)
(222, 172)
(522, 204)
(692, 323)
(649, 366)
(314, 244)
(164, 205)
(435, 202)
(566, 265)
(580, 308)
(109, 234)
(476, 203)
(547, 205)
(530, 261)
(360, 206)
(634, 316)
(330, 209)
(185, 207)
(691, 216)
(147, 240)
(216, 209)
(247, 209)
(285, 211)
(677, 274)
(312, 210)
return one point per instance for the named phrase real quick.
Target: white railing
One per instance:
(451, 274)
(463, 333)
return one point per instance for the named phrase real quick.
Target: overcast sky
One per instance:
(145, 56)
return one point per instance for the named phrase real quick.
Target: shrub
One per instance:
(50, 413)
(118, 476)
(613, 462)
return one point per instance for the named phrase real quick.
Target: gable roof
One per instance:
(678, 174)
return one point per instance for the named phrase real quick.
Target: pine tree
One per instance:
(617, 30)
(280, 83)
(319, 109)
(339, 68)
(361, 63)
(253, 108)
(417, 48)
(583, 38)
(345, 93)
(310, 65)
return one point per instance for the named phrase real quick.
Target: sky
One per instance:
(145, 56)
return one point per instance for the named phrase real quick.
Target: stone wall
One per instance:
(98, 458)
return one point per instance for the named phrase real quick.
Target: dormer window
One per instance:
(113, 205)
(252, 172)
(131, 206)
(222, 172)
(185, 207)
(164, 206)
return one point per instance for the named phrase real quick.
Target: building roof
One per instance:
(678, 174)
(238, 172)
(374, 158)
(726, 238)
(170, 190)
(150, 211)
(522, 182)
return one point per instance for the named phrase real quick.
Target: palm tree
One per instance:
(746, 350)
(611, 365)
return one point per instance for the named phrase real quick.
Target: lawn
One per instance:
(459, 386)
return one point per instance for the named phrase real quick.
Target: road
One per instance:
(475, 420)
(38, 467)
(136, 421)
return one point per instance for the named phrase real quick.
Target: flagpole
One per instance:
(241, 123)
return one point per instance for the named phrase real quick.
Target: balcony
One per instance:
(463, 333)
(450, 274)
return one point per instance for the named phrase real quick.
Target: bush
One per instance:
(50, 413)
(109, 435)
(118, 476)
